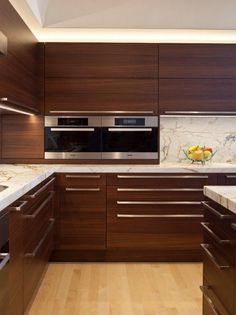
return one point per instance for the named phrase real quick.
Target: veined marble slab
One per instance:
(224, 195)
(22, 178)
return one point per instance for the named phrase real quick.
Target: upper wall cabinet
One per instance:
(19, 68)
(101, 78)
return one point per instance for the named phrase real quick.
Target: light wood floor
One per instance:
(120, 289)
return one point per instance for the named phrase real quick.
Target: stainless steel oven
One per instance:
(72, 137)
(130, 137)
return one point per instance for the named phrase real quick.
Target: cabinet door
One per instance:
(201, 95)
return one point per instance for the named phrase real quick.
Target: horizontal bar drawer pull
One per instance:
(42, 189)
(82, 189)
(215, 212)
(158, 202)
(102, 111)
(171, 112)
(37, 248)
(233, 225)
(73, 129)
(129, 129)
(206, 226)
(162, 176)
(159, 215)
(159, 189)
(83, 176)
(206, 249)
(40, 208)
(209, 300)
(230, 176)
(20, 207)
(4, 259)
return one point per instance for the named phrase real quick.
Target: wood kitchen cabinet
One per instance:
(81, 216)
(101, 78)
(219, 260)
(155, 216)
(227, 179)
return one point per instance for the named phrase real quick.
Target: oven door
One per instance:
(72, 143)
(130, 143)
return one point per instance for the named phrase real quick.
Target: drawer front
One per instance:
(4, 287)
(219, 274)
(36, 261)
(82, 218)
(161, 180)
(227, 179)
(75, 180)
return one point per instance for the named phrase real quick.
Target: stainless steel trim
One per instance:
(209, 300)
(161, 176)
(206, 247)
(150, 121)
(170, 112)
(214, 235)
(37, 248)
(83, 176)
(158, 202)
(82, 189)
(230, 176)
(159, 215)
(73, 129)
(101, 111)
(3, 45)
(129, 129)
(215, 212)
(20, 207)
(73, 155)
(52, 121)
(159, 189)
(41, 190)
(130, 155)
(40, 208)
(5, 258)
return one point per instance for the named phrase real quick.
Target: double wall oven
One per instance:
(97, 137)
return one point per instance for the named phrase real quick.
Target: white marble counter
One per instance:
(224, 195)
(21, 178)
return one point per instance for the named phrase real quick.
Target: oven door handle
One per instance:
(73, 129)
(129, 129)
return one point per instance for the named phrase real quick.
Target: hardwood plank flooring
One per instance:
(120, 289)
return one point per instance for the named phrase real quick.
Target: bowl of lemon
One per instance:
(199, 154)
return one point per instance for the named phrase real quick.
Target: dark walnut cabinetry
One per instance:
(197, 77)
(31, 221)
(219, 260)
(101, 78)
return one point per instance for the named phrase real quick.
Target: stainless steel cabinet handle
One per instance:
(40, 208)
(230, 176)
(158, 202)
(4, 259)
(213, 258)
(41, 190)
(82, 189)
(159, 215)
(209, 300)
(233, 225)
(102, 111)
(159, 189)
(129, 129)
(162, 176)
(215, 212)
(73, 129)
(37, 248)
(206, 226)
(174, 112)
(83, 176)
(20, 207)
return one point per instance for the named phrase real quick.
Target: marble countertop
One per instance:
(21, 178)
(224, 195)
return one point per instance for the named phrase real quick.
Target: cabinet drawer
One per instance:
(75, 180)
(227, 179)
(4, 280)
(219, 274)
(160, 180)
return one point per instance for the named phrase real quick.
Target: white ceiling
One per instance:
(130, 20)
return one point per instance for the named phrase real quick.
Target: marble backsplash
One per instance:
(178, 133)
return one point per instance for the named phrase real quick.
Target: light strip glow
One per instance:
(15, 110)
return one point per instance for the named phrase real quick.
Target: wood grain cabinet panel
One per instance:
(197, 95)
(202, 61)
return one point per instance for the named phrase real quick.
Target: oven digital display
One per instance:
(129, 121)
(73, 121)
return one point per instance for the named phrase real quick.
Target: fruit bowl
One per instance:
(199, 154)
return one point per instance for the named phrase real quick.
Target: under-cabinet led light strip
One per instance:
(2, 106)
